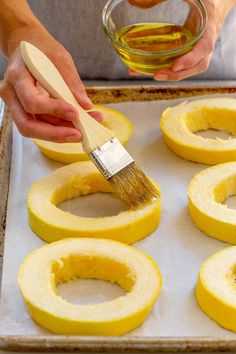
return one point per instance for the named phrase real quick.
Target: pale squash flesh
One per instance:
(107, 260)
(179, 123)
(82, 178)
(216, 289)
(207, 191)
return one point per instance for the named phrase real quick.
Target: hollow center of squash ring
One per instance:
(88, 197)
(94, 205)
(89, 291)
(202, 119)
(91, 267)
(225, 192)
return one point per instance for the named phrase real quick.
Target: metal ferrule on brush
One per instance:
(110, 158)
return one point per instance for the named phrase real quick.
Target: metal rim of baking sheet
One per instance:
(55, 343)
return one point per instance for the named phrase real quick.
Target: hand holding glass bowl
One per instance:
(150, 39)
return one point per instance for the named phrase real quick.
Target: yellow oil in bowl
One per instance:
(147, 47)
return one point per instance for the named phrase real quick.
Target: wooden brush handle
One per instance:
(45, 72)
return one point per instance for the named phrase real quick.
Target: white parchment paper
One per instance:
(178, 246)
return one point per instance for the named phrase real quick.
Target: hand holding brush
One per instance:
(100, 144)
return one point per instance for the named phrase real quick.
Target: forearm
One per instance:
(16, 20)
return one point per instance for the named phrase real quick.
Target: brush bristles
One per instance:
(131, 185)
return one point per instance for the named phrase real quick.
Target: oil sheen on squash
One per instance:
(152, 37)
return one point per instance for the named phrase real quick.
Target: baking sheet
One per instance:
(178, 246)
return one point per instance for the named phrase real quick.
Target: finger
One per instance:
(28, 126)
(69, 73)
(205, 45)
(170, 75)
(63, 123)
(33, 128)
(193, 22)
(41, 104)
(36, 103)
(47, 106)
(53, 120)
(203, 48)
(136, 73)
(41, 90)
(96, 115)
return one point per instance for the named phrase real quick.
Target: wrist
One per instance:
(28, 32)
(222, 10)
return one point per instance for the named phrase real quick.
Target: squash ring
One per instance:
(179, 123)
(73, 152)
(100, 259)
(81, 178)
(216, 290)
(207, 190)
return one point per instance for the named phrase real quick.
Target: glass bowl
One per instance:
(148, 39)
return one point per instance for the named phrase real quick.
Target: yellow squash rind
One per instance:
(207, 191)
(81, 178)
(179, 123)
(73, 152)
(216, 289)
(107, 260)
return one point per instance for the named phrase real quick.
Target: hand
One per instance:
(36, 114)
(198, 59)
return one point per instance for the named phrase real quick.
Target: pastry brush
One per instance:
(99, 143)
